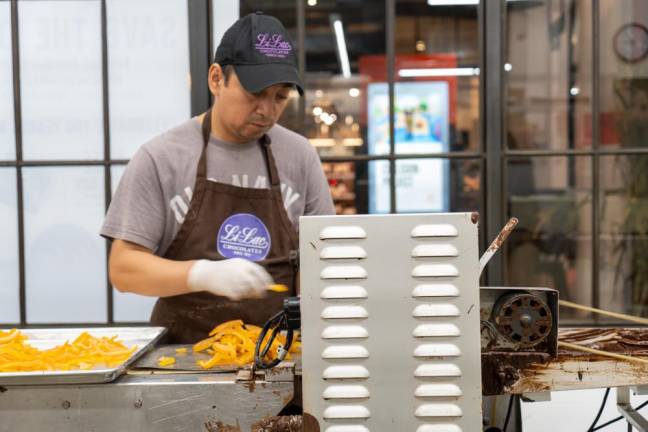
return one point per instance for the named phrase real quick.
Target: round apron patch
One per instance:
(243, 235)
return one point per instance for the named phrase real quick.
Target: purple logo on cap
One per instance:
(243, 235)
(273, 45)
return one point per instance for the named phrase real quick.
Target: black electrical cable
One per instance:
(275, 324)
(600, 411)
(508, 412)
(616, 419)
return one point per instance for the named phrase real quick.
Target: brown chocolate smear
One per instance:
(279, 424)
(218, 426)
(628, 341)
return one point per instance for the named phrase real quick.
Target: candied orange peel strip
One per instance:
(166, 361)
(233, 342)
(85, 352)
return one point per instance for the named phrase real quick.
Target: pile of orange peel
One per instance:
(233, 343)
(85, 352)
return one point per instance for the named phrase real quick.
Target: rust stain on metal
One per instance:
(626, 341)
(474, 217)
(279, 424)
(218, 426)
(517, 373)
(251, 385)
(310, 423)
(503, 370)
(501, 237)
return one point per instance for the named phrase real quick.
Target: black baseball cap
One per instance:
(261, 52)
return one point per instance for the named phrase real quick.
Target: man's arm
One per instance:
(136, 269)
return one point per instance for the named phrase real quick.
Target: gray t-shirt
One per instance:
(153, 195)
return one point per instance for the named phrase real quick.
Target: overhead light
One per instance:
(319, 93)
(352, 142)
(317, 111)
(420, 46)
(343, 55)
(312, 2)
(508, 67)
(452, 2)
(440, 72)
(354, 92)
(459, 2)
(322, 142)
(574, 91)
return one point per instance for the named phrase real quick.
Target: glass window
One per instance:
(353, 187)
(548, 75)
(129, 307)
(65, 258)
(9, 282)
(224, 14)
(623, 82)
(148, 60)
(60, 64)
(437, 66)
(623, 268)
(552, 245)
(437, 185)
(7, 138)
(345, 61)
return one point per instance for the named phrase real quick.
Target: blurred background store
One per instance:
(530, 108)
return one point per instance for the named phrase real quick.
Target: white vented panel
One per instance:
(390, 322)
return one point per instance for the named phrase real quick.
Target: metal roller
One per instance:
(523, 318)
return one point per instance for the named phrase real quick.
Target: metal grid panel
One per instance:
(390, 322)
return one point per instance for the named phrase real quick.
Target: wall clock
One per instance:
(631, 42)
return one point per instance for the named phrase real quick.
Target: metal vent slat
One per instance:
(341, 292)
(435, 290)
(434, 250)
(345, 352)
(438, 390)
(342, 312)
(438, 410)
(346, 412)
(343, 252)
(345, 332)
(346, 392)
(437, 350)
(345, 372)
(343, 272)
(342, 232)
(348, 428)
(434, 230)
(436, 330)
(435, 270)
(437, 370)
(446, 427)
(436, 310)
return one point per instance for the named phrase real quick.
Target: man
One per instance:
(205, 216)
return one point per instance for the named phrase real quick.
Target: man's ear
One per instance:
(215, 79)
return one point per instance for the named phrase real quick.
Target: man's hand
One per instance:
(236, 278)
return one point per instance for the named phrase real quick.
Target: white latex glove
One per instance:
(235, 278)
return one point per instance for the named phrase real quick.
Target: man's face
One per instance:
(246, 116)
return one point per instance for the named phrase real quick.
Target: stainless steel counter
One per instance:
(151, 400)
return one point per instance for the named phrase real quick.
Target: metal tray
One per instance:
(184, 362)
(144, 337)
